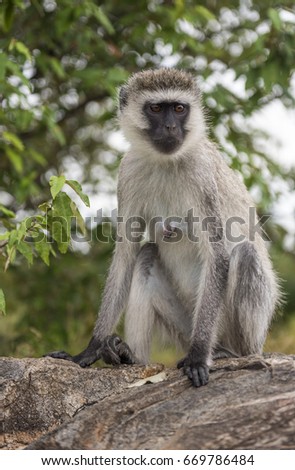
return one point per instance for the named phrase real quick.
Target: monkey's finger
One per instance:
(110, 350)
(126, 355)
(200, 376)
(112, 342)
(196, 378)
(59, 355)
(109, 356)
(188, 371)
(115, 351)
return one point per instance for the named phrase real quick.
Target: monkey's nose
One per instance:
(170, 127)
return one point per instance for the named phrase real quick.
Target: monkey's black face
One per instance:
(167, 124)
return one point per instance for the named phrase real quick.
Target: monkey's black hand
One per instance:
(87, 357)
(90, 355)
(112, 350)
(197, 371)
(115, 351)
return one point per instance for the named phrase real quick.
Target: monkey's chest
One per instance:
(179, 254)
(167, 215)
(182, 266)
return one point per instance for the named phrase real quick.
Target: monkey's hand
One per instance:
(87, 357)
(197, 371)
(112, 350)
(115, 351)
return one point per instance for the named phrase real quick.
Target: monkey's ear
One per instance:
(123, 97)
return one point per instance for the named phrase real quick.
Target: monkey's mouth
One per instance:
(167, 145)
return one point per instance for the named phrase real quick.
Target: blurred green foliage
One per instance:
(60, 65)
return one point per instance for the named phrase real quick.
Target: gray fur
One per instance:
(213, 297)
(153, 80)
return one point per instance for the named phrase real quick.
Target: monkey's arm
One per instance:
(115, 296)
(104, 345)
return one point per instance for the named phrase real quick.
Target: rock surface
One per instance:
(249, 403)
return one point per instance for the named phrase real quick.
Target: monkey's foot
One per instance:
(115, 351)
(197, 371)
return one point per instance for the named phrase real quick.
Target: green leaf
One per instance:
(22, 230)
(6, 212)
(102, 18)
(14, 140)
(275, 18)
(4, 236)
(204, 13)
(57, 68)
(78, 189)
(43, 249)
(44, 207)
(62, 205)
(37, 157)
(11, 252)
(15, 159)
(26, 250)
(78, 217)
(13, 238)
(58, 134)
(61, 221)
(2, 303)
(22, 49)
(24, 226)
(56, 185)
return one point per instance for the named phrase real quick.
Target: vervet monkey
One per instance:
(204, 275)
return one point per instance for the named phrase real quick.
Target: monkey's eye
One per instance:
(156, 108)
(179, 108)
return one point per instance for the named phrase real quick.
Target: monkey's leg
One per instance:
(249, 301)
(152, 297)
